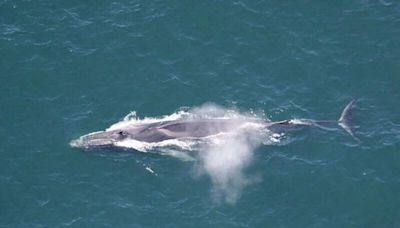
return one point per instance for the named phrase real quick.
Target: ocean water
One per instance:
(68, 68)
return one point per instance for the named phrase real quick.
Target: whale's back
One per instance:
(186, 129)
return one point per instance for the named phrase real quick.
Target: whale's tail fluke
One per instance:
(346, 119)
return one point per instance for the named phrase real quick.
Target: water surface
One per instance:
(71, 67)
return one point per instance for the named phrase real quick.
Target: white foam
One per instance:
(132, 119)
(183, 144)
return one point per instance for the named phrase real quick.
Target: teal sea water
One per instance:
(68, 68)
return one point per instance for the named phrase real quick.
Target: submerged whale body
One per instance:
(197, 128)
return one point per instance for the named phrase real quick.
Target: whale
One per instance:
(200, 128)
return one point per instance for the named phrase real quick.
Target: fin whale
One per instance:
(200, 128)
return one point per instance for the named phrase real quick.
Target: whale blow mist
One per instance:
(225, 157)
(226, 162)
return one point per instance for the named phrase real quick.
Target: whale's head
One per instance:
(100, 139)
